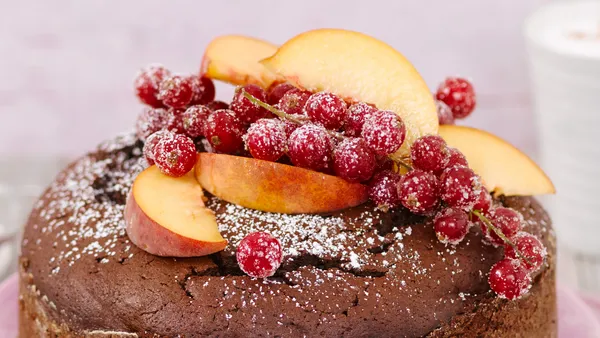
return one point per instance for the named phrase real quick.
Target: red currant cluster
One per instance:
(455, 100)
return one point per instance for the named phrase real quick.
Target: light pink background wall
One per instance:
(66, 67)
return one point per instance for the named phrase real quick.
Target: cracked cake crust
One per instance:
(354, 273)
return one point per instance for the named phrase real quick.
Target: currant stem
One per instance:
(404, 165)
(497, 231)
(283, 114)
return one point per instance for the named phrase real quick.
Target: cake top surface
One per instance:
(334, 266)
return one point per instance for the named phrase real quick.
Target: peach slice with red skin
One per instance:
(235, 59)
(505, 170)
(275, 187)
(361, 68)
(166, 216)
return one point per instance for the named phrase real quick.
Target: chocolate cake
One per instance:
(359, 272)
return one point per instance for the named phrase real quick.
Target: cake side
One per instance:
(357, 273)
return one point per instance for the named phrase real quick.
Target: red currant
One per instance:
(150, 121)
(217, 105)
(430, 153)
(353, 160)
(508, 221)
(208, 94)
(459, 95)
(293, 101)
(147, 84)
(530, 247)
(451, 225)
(484, 201)
(419, 192)
(276, 92)
(246, 111)
(384, 132)
(310, 147)
(193, 120)
(224, 131)
(509, 279)
(444, 112)
(175, 156)
(383, 189)
(266, 139)
(355, 118)
(175, 123)
(290, 126)
(259, 255)
(176, 91)
(326, 109)
(151, 143)
(460, 187)
(456, 158)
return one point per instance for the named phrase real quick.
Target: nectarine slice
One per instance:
(358, 67)
(275, 187)
(166, 216)
(505, 169)
(235, 59)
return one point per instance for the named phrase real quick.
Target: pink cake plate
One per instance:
(576, 318)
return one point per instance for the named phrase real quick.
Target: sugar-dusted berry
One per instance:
(451, 225)
(176, 91)
(175, 156)
(150, 121)
(459, 95)
(293, 101)
(326, 109)
(419, 192)
(355, 118)
(276, 92)
(151, 142)
(353, 160)
(193, 120)
(444, 112)
(456, 158)
(224, 131)
(266, 139)
(246, 111)
(310, 147)
(530, 247)
(430, 153)
(507, 220)
(509, 279)
(217, 105)
(259, 255)
(460, 187)
(384, 132)
(383, 189)
(147, 84)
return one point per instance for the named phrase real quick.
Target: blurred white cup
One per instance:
(564, 51)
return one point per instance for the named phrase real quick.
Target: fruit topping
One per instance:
(419, 192)
(176, 91)
(193, 120)
(175, 156)
(217, 105)
(384, 132)
(246, 111)
(355, 118)
(456, 158)
(383, 190)
(353, 160)
(207, 93)
(451, 225)
(444, 112)
(147, 84)
(293, 101)
(459, 95)
(259, 255)
(509, 279)
(430, 153)
(276, 92)
(507, 221)
(151, 143)
(310, 147)
(460, 187)
(530, 247)
(150, 121)
(326, 109)
(224, 131)
(266, 139)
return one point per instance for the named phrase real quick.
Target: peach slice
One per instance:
(166, 216)
(235, 59)
(505, 169)
(275, 187)
(358, 67)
